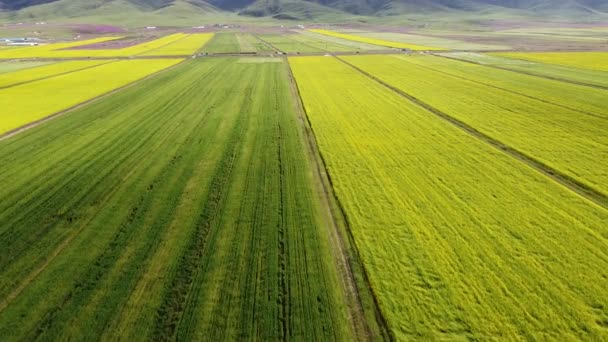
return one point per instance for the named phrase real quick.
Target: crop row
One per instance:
(552, 131)
(460, 240)
(180, 207)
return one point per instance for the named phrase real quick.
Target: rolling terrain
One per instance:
(334, 182)
(188, 10)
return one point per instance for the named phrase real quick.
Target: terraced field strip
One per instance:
(45, 72)
(582, 99)
(189, 45)
(584, 60)
(354, 45)
(427, 40)
(135, 50)
(590, 78)
(49, 49)
(183, 42)
(182, 207)
(23, 104)
(322, 44)
(570, 144)
(10, 66)
(374, 41)
(286, 44)
(459, 239)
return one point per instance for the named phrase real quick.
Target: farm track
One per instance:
(566, 80)
(344, 250)
(23, 128)
(559, 177)
(55, 75)
(603, 117)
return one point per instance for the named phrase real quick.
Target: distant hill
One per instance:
(294, 9)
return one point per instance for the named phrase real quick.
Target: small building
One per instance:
(20, 41)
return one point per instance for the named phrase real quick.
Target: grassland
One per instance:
(24, 104)
(584, 60)
(182, 207)
(461, 241)
(375, 41)
(551, 71)
(567, 140)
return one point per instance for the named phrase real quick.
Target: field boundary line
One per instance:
(565, 80)
(56, 75)
(338, 226)
(509, 91)
(33, 124)
(566, 181)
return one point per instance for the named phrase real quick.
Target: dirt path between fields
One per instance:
(33, 124)
(568, 182)
(345, 254)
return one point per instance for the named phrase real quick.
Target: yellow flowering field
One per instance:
(460, 240)
(33, 101)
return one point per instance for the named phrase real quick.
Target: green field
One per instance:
(313, 174)
(289, 44)
(568, 140)
(182, 194)
(461, 241)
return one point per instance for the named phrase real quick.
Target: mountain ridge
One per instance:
(300, 9)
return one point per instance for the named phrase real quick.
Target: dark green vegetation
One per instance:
(182, 207)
